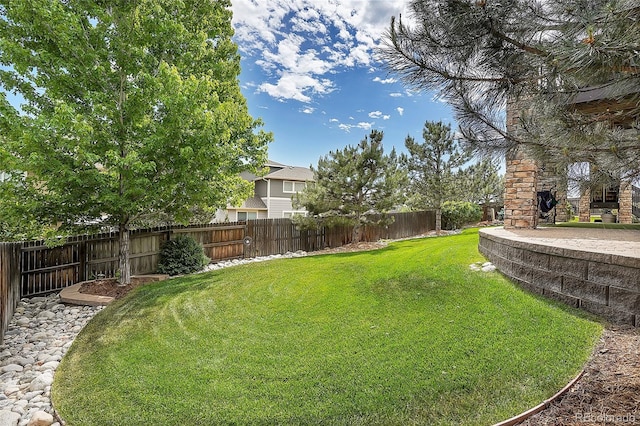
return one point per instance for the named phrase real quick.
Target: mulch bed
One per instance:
(110, 287)
(609, 391)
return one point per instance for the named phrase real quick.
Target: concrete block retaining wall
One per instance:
(607, 285)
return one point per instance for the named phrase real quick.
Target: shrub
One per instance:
(456, 214)
(182, 255)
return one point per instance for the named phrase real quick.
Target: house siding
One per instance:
(231, 215)
(270, 189)
(277, 188)
(278, 206)
(261, 188)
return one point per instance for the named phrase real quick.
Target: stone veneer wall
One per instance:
(625, 200)
(548, 179)
(520, 192)
(520, 181)
(585, 206)
(524, 177)
(604, 284)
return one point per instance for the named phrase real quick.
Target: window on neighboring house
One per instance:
(292, 187)
(244, 216)
(294, 213)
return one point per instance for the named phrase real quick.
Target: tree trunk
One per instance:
(124, 264)
(355, 234)
(438, 220)
(485, 212)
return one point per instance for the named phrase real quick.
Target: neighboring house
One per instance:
(272, 194)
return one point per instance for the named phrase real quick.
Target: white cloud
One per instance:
(395, 95)
(389, 80)
(360, 125)
(379, 114)
(400, 110)
(297, 86)
(334, 120)
(307, 110)
(310, 39)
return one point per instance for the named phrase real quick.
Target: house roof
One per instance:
(271, 163)
(609, 91)
(615, 102)
(282, 172)
(291, 173)
(254, 203)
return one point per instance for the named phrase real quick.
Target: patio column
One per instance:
(520, 191)
(625, 203)
(585, 206)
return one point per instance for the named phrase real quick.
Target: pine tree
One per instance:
(480, 183)
(540, 58)
(431, 167)
(358, 184)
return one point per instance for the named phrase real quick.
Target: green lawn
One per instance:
(403, 335)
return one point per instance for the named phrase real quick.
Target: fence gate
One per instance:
(222, 242)
(44, 269)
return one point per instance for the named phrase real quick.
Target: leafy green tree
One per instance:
(540, 57)
(355, 185)
(431, 167)
(132, 111)
(456, 214)
(480, 183)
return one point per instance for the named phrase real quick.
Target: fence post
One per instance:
(82, 258)
(245, 246)
(9, 283)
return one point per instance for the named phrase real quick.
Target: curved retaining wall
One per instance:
(602, 283)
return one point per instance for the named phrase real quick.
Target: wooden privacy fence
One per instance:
(9, 283)
(277, 236)
(32, 268)
(44, 269)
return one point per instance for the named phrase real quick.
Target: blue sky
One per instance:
(309, 71)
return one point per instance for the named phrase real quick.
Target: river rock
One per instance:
(41, 418)
(9, 418)
(41, 382)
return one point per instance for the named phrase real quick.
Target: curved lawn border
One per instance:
(540, 407)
